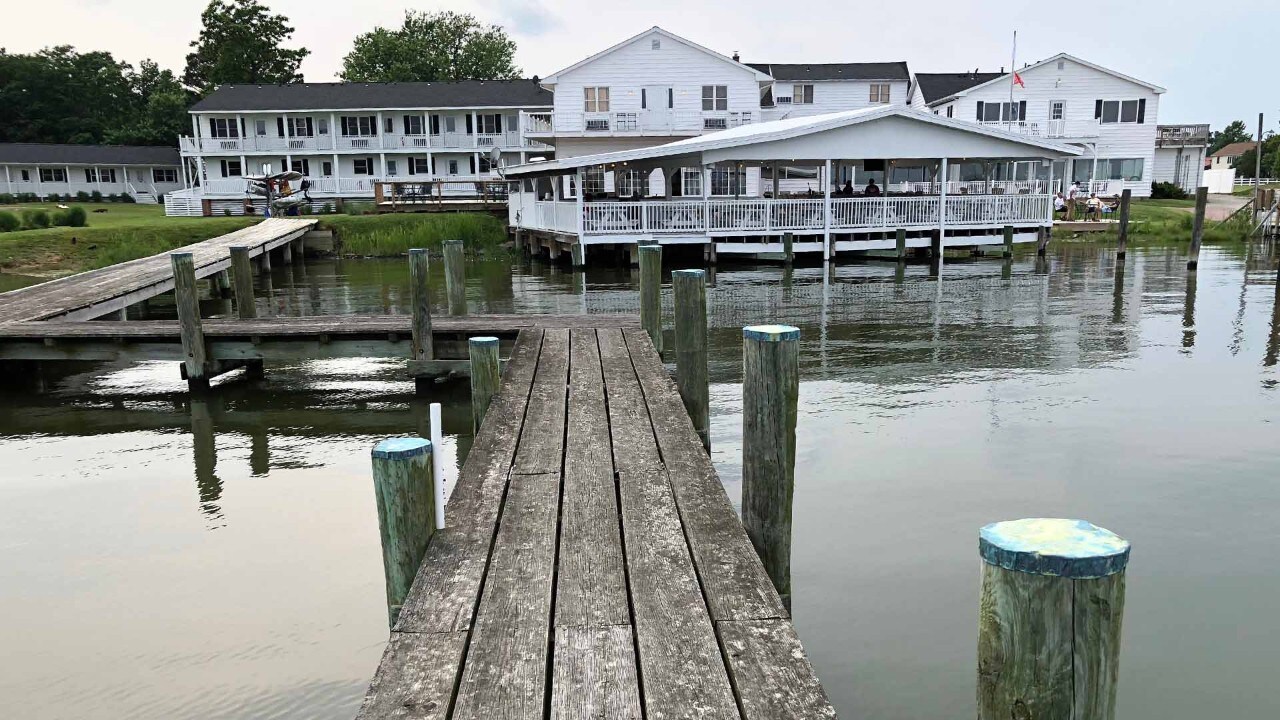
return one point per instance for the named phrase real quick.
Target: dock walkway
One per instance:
(592, 565)
(95, 293)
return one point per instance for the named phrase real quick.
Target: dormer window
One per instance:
(655, 44)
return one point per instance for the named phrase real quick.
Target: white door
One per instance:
(655, 107)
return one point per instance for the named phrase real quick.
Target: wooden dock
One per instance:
(592, 565)
(96, 293)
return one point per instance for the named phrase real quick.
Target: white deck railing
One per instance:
(761, 216)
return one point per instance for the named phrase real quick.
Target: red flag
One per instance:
(1017, 80)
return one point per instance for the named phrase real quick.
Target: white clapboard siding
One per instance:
(1186, 172)
(836, 96)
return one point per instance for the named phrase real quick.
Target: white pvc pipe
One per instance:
(437, 465)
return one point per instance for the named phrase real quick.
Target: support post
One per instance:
(1008, 241)
(1049, 619)
(935, 245)
(690, 290)
(900, 245)
(770, 393)
(286, 253)
(788, 244)
(222, 281)
(651, 293)
(422, 347)
(1197, 228)
(264, 261)
(436, 430)
(1123, 246)
(195, 358)
(402, 484)
(455, 281)
(578, 253)
(1042, 244)
(242, 275)
(485, 376)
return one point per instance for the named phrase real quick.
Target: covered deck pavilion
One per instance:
(699, 191)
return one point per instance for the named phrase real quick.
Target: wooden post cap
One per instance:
(650, 247)
(452, 242)
(689, 273)
(770, 333)
(483, 340)
(419, 251)
(401, 448)
(184, 254)
(1053, 546)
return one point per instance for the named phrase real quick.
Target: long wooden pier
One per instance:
(592, 565)
(96, 293)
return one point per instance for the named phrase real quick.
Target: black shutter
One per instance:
(406, 124)
(671, 98)
(311, 131)
(1097, 109)
(644, 99)
(433, 165)
(224, 168)
(279, 127)
(497, 123)
(411, 162)
(980, 111)
(1142, 110)
(470, 129)
(242, 133)
(1022, 110)
(373, 123)
(472, 160)
(435, 124)
(213, 131)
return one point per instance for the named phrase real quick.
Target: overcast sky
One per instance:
(1212, 57)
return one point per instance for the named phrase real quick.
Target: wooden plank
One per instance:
(771, 674)
(591, 587)
(595, 674)
(542, 438)
(680, 663)
(446, 590)
(736, 585)
(416, 677)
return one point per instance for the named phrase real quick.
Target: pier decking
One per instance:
(592, 565)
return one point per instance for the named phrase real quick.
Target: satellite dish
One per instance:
(495, 159)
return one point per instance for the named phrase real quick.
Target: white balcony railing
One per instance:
(538, 123)
(328, 143)
(691, 122)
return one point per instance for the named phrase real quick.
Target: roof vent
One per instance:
(736, 57)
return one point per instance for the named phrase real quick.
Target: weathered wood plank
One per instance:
(416, 677)
(1024, 645)
(732, 575)
(595, 674)
(446, 590)
(634, 447)
(1098, 610)
(591, 588)
(542, 438)
(771, 673)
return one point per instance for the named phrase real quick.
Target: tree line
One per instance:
(61, 95)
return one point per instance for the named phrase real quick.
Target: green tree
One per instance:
(1246, 164)
(159, 112)
(241, 43)
(1235, 132)
(60, 95)
(432, 46)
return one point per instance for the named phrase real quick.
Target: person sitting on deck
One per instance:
(1059, 203)
(847, 190)
(1093, 207)
(872, 190)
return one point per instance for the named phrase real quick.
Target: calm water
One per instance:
(167, 559)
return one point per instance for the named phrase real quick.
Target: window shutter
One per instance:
(470, 129)
(472, 164)
(213, 128)
(433, 165)
(224, 168)
(1097, 109)
(279, 127)
(1022, 110)
(980, 111)
(1142, 110)
(242, 133)
(411, 161)
(311, 130)
(671, 98)
(644, 99)
(497, 124)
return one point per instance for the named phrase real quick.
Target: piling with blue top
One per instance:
(770, 397)
(404, 488)
(1049, 619)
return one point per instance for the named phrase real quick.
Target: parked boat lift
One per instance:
(547, 205)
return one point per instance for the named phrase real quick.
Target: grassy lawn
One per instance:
(1168, 221)
(126, 231)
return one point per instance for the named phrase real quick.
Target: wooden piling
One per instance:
(1008, 241)
(788, 248)
(651, 292)
(420, 301)
(770, 393)
(1197, 227)
(485, 376)
(286, 254)
(578, 253)
(690, 290)
(222, 283)
(900, 246)
(264, 261)
(242, 275)
(1123, 246)
(935, 245)
(455, 277)
(1042, 241)
(1049, 619)
(195, 355)
(402, 484)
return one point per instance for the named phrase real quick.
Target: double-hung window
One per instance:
(880, 93)
(802, 95)
(300, 126)
(595, 99)
(1109, 112)
(358, 126)
(97, 175)
(413, 125)
(223, 128)
(164, 175)
(231, 168)
(53, 175)
(1001, 112)
(715, 97)
(490, 124)
(362, 166)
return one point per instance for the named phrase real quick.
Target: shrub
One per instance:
(126, 198)
(8, 221)
(35, 219)
(112, 198)
(6, 199)
(1167, 191)
(95, 196)
(359, 208)
(53, 198)
(226, 211)
(82, 196)
(73, 216)
(27, 197)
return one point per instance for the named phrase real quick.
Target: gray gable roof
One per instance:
(355, 96)
(789, 72)
(936, 86)
(55, 154)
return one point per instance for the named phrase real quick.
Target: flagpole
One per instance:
(1013, 72)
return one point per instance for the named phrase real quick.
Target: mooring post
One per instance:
(770, 393)
(402, 485)
(436, 430)
(242, 275)
(690, 290)
(1042, 244)
(901, 245)
(264, 260)
(195, 356)
(485, 376)
(935, 245)
(651, 293)
(1197, 228)
(1123, 246)
(455, 277)
(1008, 241)
(420, 301)
(788, 245)
(1049, 619)
(222, 279)
(578, 253)
(286, 253)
